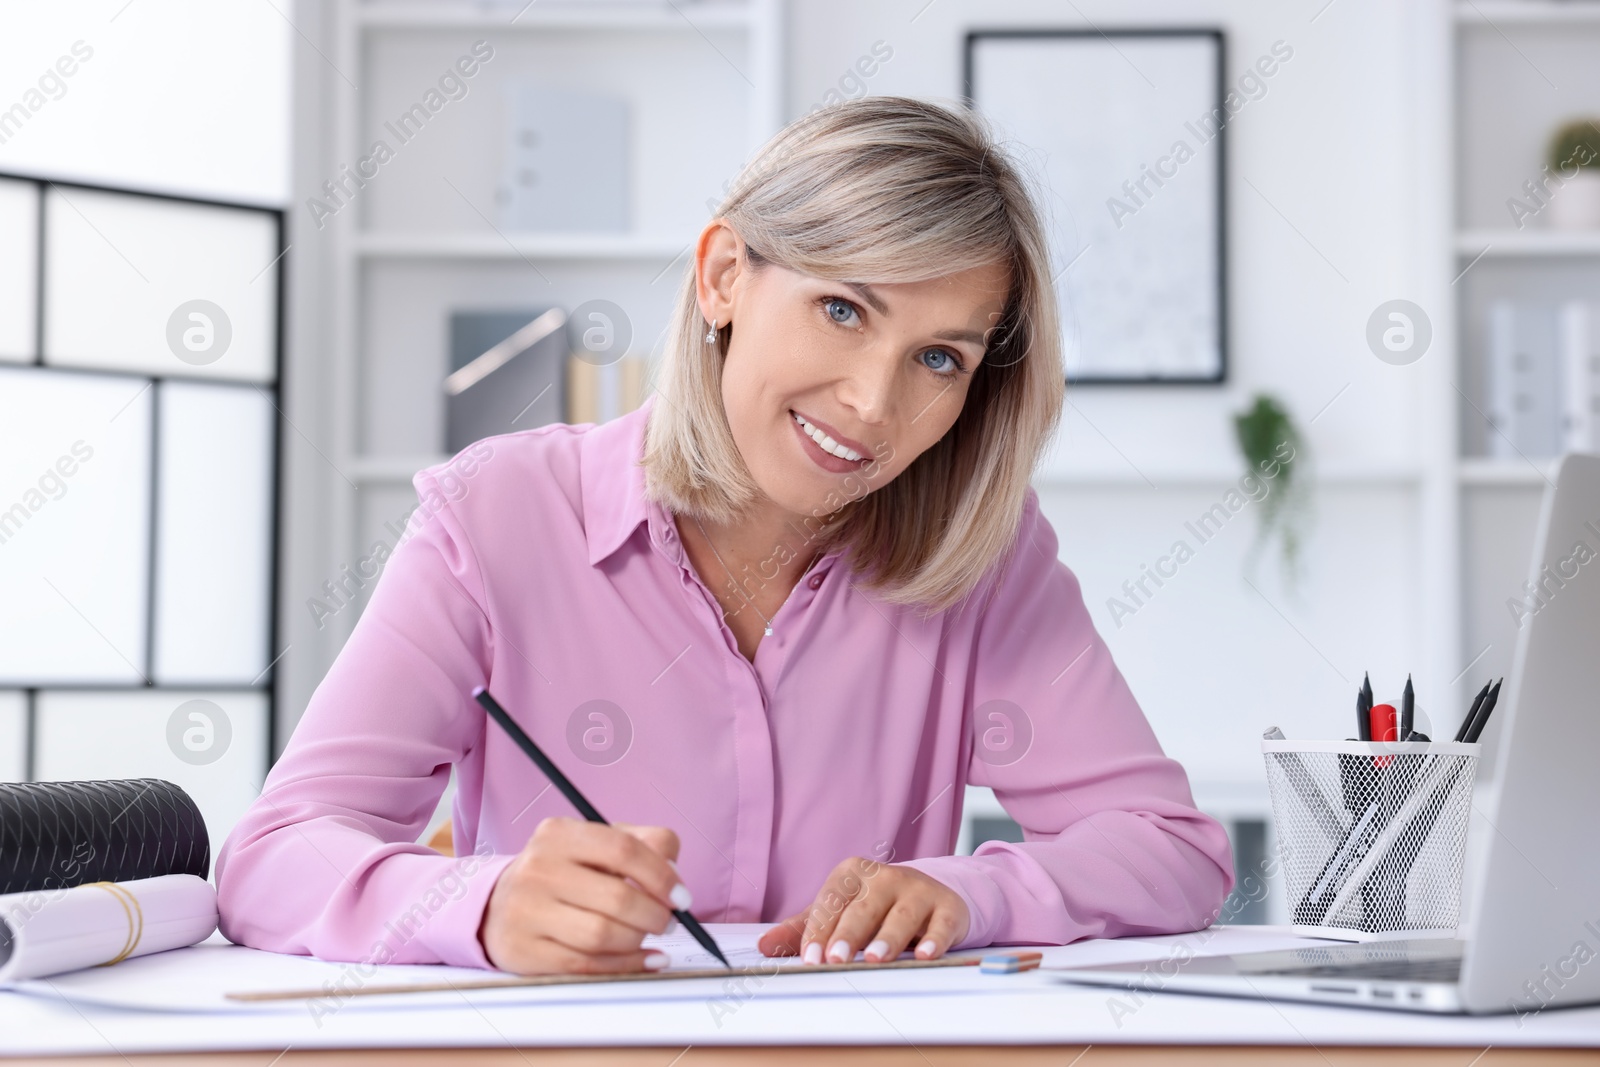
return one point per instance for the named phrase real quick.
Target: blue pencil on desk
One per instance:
(579, 801)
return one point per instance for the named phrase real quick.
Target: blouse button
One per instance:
(816, 581)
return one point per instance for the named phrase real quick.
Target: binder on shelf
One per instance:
(1580, 375)
(566, 163)
(506, 373)
(1523, 403)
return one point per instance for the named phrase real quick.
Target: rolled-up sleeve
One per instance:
(326, 861)
(1112, 842)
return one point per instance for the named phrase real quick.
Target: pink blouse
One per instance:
(535, 565)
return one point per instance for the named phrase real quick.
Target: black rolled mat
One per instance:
(56, 835)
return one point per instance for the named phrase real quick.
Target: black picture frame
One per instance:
(1213, 37)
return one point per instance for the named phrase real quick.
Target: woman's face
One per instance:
(882, 369)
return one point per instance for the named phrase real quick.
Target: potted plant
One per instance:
(1275, 457)
(1574, 160)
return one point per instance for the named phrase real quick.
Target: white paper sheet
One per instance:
(55, 931)
(197, 979)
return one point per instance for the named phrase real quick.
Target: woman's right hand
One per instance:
(580, 897)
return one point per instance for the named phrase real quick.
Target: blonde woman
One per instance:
(777, 618)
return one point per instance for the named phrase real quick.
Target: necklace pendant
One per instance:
(768, 631)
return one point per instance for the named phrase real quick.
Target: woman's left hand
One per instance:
(877, 907)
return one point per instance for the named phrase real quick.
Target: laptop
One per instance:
(1532, 940)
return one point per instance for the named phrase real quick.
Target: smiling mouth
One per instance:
(826, 443)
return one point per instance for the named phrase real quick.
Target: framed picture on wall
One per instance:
(1125, 129)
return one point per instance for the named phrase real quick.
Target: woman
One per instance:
(777, 618)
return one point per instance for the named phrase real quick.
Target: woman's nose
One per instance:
(869, 388)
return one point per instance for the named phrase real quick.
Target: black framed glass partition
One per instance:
(140, 355)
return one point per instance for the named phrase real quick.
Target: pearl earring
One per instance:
(711, 334)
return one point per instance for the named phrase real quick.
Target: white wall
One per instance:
(180, 96)
(1320, 231)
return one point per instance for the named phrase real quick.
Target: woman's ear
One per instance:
(719, 262)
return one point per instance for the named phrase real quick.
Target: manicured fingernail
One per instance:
(654, 961)
(878, 949)
(840, 952)
(680, 897)
(814, 952)
(927, 948)
(672, 927)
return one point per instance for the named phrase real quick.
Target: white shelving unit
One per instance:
(1472, 243)
(1517, 69)
(421, 239)
(499, 14)
(1558, 13)
(455, 246)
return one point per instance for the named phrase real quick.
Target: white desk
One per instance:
(942, 1007)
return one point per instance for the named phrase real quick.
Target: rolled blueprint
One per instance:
(55, 835)
(51, 931)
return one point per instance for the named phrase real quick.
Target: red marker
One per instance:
(1385, 727)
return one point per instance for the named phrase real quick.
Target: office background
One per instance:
(1373, 165)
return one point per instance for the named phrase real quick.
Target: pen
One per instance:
(570, 791)
(1477, 702)
(1382, 728)
(1382, 720)
(1378, 900)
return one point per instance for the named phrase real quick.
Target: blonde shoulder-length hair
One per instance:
(883, 189)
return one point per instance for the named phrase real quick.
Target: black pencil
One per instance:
(1364, 709)
(1481, 720)
(1477, 702)
(570, 791)
(1408, 703)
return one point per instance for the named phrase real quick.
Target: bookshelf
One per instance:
(1517, 68)
(702, 84)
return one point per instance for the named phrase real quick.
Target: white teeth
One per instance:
(828, 444)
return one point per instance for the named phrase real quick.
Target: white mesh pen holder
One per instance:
(1372, 834)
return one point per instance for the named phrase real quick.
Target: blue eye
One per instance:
(829, 303)
(840, 311)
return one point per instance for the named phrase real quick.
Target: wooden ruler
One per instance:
(516, 981)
